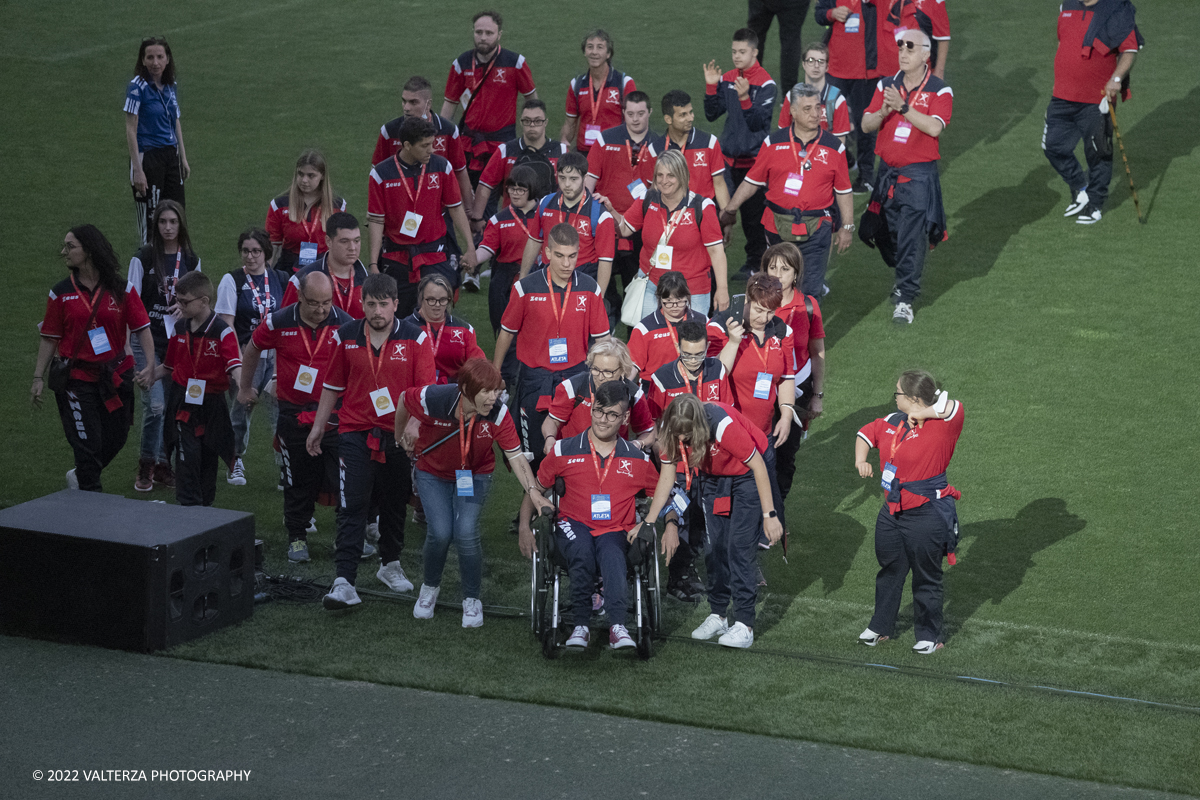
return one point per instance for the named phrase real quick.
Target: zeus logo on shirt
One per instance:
(575, 460)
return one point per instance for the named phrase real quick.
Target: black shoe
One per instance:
(861, 187)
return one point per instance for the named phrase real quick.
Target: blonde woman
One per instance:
(296, 220)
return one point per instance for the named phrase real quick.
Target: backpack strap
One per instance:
(808, 306)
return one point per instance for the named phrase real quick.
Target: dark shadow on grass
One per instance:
(998, 553)
(980, 231)
(978, 117)
(825, 538)
(1166, 133)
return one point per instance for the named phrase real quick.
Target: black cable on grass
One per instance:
(287, 589)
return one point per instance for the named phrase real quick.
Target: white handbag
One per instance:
(635, 299)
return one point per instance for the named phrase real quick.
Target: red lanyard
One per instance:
(320, 341)
(404, 182)
(344, 305)
(764, 352)
(312, 232)
(487, 70)
(435, 339)
(902, 431)
(567, 213)
(674, 335)
(600, 476)
(597, 91)
(374, 362)
(670, 223)
(464, 437)
(260, 305)
(558, 312)
(188, 339)
(687, 382)
(687, 464)
(807, 160)
(516, 215)
(907, 93)
(88, 298)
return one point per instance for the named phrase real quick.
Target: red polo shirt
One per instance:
(451, 343)
(574, 313)
(595, 244)
(597, 108)
(840, 125)
(572, 406)
(290, 235)
(800, 176)
(795, 314)
(208, 354)
(356, 370)
(917, 453)
(774, 358)
(615, 163)
(629, 474)
(396, 188)
(446, 142)
(733, 441)
(67, 310)
(702, 152)
(1081, 69)
(296, 345)
(347, 292)
(690, 229)
(654, 341)
(436, 408)
(495, 87)
(898, 142)
(500, 164)
(507, 233)
(853, 55)
(670, 381)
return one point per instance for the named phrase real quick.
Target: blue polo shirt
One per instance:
(156, 109)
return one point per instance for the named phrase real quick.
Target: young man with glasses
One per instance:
(531, 147)
(909, 110)
(835, 111)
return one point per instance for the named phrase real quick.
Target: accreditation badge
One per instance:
(591, 134)
(664, 254)
(558, 351)
(762, 386)
(194, 393)
(902, 132)
(306, 379)
(852, 23)
(308, 253)
(411, 224)
(464, 483)
(637, 189)
(793, 184)
(99, 340)
(381, 401)
(889, 475)
(601, 508)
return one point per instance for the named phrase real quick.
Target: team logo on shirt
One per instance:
(713, 391)
(433, 180)
(713, 449)
(625, 467)
(456, 335)
(685, 217)
(112, 304)
(699, 158)
(439, 144)
(584, 226)
(399, 352)
(484, 430)
(581, 303)
(211, 347)
(500, 76)
(614, 95)
(821, 156)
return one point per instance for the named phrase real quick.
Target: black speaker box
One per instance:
(99, 569)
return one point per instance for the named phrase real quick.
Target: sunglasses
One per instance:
(909, 44)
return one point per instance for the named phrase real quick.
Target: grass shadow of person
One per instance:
(977, 117)
(1165, 134)
(996, 554)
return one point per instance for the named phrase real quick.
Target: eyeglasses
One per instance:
(518, 190)
(910, 44)
(607, 416)
(436, 302)
(182, 302)
(678, 302)
(816, 61)
(246, 251)
(683, 356)
(605, 373)
(533, 123)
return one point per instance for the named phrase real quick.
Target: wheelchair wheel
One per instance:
(655, 592)
(549, 642)
(537, 595)
(645, 647)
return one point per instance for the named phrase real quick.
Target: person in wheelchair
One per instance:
(603, 474)
(724, 451)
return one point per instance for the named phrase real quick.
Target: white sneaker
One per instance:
(425, 603)
(926, 647)
(369, 550)
(237, 475)
(619, 638)
(472, 613)
(1090, 216)
(341, 595)
(711, 626)
(1078, 204)
(737, 636)
(373, 534)
(870, 638)
(392, 575)
(312, 525)
(72, 481)
(471, 283)
(579, 637)
(903, 314)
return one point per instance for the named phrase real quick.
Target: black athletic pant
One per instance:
(913, 540)
(164, 181)
(365, 482)
(1066, 124)
(751, 213)
(95, 434)
(196, 467)
(908, 236)
(791, 15)
(858, 93)
(304, 475)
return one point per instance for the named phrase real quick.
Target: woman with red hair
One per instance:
(450, 429)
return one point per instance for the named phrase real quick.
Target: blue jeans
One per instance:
(239, 415)
(700, 303)
(153, 406)
(447, 517)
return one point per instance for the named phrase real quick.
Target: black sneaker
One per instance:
(1089, 216)
(861, 187)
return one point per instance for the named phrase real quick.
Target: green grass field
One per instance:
(1071, 346)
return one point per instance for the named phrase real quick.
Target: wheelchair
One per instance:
(549, 587)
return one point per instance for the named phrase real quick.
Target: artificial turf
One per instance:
(1071, 347)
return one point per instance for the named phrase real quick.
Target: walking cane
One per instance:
(1112, 113)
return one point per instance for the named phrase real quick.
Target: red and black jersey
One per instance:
(357, 370)
(452, 342)
(622, 476)
(836, 121)
(68, 309)
(507, 233)
(597, 107)
(733, 441)
(209, 354)
(396, 189)
(489, 93)
(928, 16)
(690, 229)
(446, 142)
(654, 341)
(500, 164)
(671, 380)
(864, 46)
(799, 175)
(898, 142)
(805, 327)
(704, 158)
(302, 354)
(614, 162)
(442, 435)
(347, 292)
(575, 313)
(758, 369)
(917, 453)
(597, 231)
(572, 406)
(291, 235)
(1082, 68)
